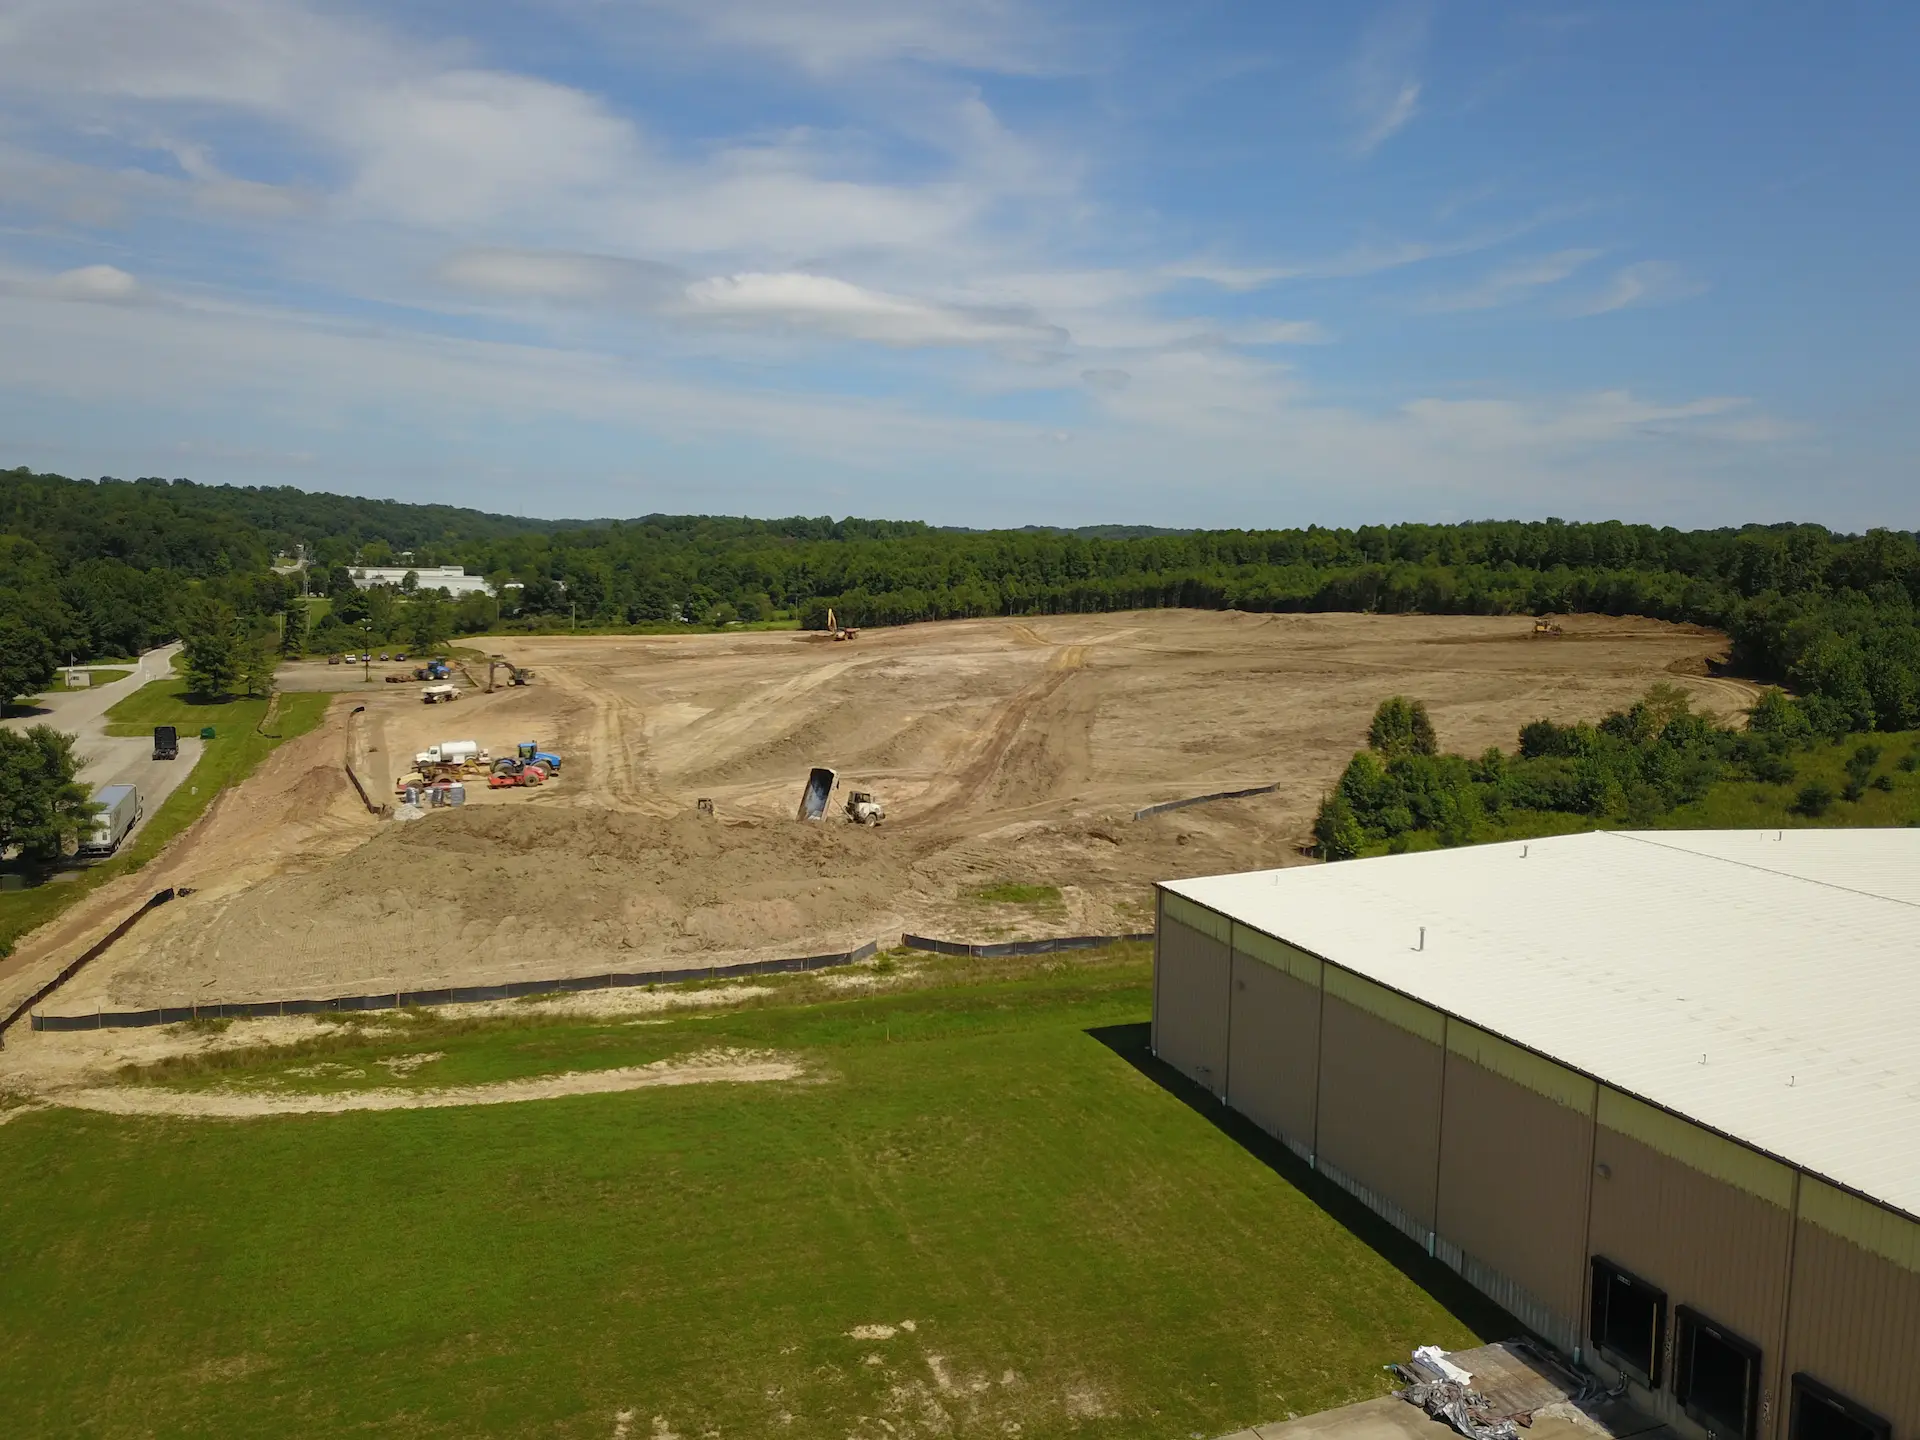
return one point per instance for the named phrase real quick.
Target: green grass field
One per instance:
(99, 678)
(168, 702)
(1083, 1246)
(234, 753)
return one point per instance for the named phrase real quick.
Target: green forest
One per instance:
(99, 569)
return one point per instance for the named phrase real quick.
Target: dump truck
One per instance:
(119, 813)
(166, 742)
(863, 809)
(813, 799)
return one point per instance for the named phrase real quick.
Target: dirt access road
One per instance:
(1004, 751)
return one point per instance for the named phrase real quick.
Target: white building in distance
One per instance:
(450, 578)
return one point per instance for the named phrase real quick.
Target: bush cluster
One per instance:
(1633, 767)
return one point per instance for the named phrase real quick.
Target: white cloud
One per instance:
(1514, 282)
(1384, 84)
(1651, 282)
(94, 282)
(836, 307)
(1277, 332)
(830, 37)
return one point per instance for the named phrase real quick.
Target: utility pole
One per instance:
(366, 652)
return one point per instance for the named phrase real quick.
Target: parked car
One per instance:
(384, 657)
(333, 659)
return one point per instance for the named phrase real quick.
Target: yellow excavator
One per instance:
(836, 629)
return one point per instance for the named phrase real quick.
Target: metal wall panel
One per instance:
(1513, 1187)
(1709, 1242)
(1379, 1115)
(1855, 1322)
(1274, 1047)
(1190, 980)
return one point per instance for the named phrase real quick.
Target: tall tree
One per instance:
(1401, 727)
(43, 807)
(27, 659)
(254, 655)
(294, 629)
(212, 638)
(429, 623)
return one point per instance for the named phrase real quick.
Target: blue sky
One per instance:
(978, 262)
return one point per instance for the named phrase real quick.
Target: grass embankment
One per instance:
(233, 754)
(99, 678)
(1013, 893)
(1078, 1249)
(1749, 804)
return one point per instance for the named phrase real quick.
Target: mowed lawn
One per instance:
(1079, 1248)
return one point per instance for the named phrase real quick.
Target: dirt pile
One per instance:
(489, 893)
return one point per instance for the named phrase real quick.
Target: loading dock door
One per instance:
(1823, 1414)
(1629, 1321)
(1716, 1375)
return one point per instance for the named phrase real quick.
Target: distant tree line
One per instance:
(108, 567)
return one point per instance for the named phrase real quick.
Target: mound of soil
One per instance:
(484, 894)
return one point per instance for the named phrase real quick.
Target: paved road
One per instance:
(109, 759)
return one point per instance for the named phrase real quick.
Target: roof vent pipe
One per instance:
(1423, 939)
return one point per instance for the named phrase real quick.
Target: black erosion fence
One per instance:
(74, 966)
(1018, 947)
(449, 995)
(373, 808)
(1165, 806)
(511, 990)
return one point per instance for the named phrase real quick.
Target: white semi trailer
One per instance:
(120, 812)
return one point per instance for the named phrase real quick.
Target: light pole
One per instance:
(366, 652)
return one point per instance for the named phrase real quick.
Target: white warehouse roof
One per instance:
(1765, 984)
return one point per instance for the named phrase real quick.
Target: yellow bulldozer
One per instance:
(1545, 627)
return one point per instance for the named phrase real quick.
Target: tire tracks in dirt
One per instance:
(977, 778)
(613, 743)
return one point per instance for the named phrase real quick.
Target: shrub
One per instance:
(1860, 764)
(1883, 783)
(1910, 761)
(1336, 830)
(1772, 767)
(1815, 798)
(1402, 727)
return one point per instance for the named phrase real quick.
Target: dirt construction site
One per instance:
(1006, 753)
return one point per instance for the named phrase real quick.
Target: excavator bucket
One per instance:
(813, 800)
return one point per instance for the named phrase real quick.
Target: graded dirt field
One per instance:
(1004, 751)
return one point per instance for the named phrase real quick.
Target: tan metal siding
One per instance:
(1379, 1120)
(1190, 974)
(1707, 1241)
(1856, 1310)
(1513, 1189)
(1274, 1051)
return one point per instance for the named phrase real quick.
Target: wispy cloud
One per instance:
(1384, 82)
(1513, 282)
(834, 307)
(1650, 282)
(831, 37)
